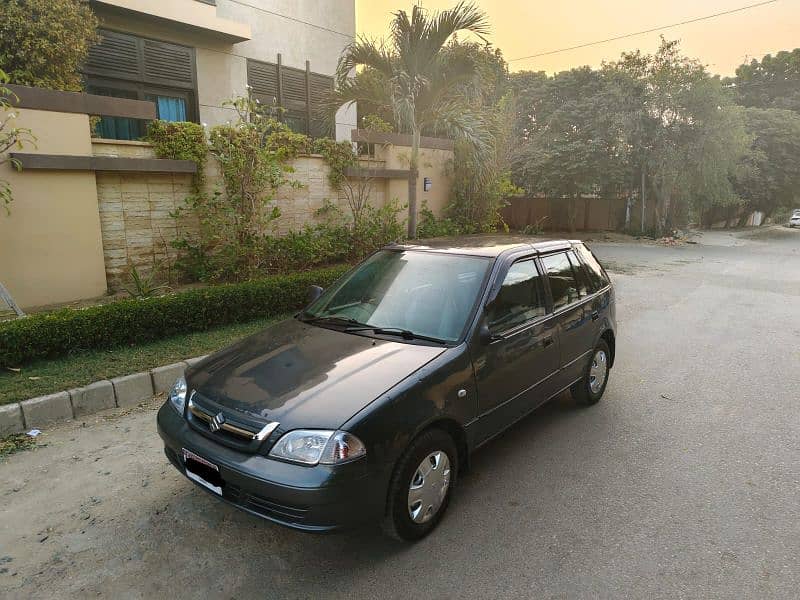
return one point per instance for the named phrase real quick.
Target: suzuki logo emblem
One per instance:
(216, 423)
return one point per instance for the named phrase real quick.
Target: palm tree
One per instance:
(418, 80)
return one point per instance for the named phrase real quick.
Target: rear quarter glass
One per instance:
(597, 275)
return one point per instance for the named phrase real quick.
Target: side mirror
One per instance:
(314, 292)
(484, 335)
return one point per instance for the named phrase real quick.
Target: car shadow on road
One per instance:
(341, 557)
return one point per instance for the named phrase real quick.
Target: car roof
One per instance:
(488, 245)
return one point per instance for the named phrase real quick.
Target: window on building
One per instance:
(128, 66)
(299, 93)
(520, 298)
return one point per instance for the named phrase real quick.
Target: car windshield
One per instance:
(425, 293)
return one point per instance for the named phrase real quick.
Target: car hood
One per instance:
(305, 376)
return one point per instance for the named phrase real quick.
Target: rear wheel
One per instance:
(590, 388)
(421, 485)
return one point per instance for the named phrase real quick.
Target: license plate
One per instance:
(200, 470)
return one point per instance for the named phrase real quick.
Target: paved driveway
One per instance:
(684, 482)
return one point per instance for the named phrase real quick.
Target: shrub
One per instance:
(430, 226)
(180, 140)
(44, 42)
(130, 322)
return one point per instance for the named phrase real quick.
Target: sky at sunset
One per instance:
(524, 27)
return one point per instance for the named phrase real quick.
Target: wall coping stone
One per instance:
(111, 142)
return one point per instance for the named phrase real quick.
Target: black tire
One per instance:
(397, 522)
(582, 390)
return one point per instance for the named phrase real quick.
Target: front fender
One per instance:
(442, 390)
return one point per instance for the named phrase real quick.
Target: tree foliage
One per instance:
(691, 137)
(482, 176)
(660, 114)
(480, 172)
(411, 79)
(772, 82)
(769, 177)
(44, 42)
(11, 138)
(572, 136)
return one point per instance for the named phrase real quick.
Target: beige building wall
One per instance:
(435, 164)
(73, 234)
(50, 244)
(276, 28)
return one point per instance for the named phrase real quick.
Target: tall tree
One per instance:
(44, 42)
(769, 176)
(482, 176)
(413, 77)
(772, 82)
(571, 135)
(689, 135)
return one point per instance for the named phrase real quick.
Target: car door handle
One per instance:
(547, 341)
(595, 316)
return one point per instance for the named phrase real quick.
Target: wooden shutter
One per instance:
(300, 93)
(294, 88)
(263, 80)
(117, 55)
(321, 86)
(140, 60)
(168, 64)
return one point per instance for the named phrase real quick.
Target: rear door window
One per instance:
(597, 277)
(520, 299)
(563, 285)
(580, 274)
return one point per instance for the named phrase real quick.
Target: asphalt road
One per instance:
(684, 482)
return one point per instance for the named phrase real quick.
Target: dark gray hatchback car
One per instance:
(367, 404)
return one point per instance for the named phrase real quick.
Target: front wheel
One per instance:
(421, 486)
(590, 388)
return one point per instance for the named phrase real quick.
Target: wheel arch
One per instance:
(455, 431)
(610, 339)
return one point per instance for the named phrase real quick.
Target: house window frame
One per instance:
(144, 89)
(110, 80)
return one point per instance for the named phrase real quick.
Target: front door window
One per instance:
(519, 300)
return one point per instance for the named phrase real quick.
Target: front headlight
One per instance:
(313, 446)
(177, 395)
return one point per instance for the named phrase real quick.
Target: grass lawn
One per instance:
(49, 376)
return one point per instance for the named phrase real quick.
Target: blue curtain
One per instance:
(171, 109)
(118, 128)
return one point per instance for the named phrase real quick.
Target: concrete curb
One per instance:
(125, 391)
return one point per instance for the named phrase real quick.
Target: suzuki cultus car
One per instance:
(367, 404)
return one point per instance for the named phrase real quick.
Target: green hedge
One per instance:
(130, 322)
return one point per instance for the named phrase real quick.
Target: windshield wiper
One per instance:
(335, 319)
(406, 334)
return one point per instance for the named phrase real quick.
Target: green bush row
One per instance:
(130, 322)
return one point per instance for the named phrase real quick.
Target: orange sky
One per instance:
(523, 27)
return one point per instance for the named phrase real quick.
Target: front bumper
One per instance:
(315, 499)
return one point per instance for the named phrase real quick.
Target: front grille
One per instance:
(226, 423)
